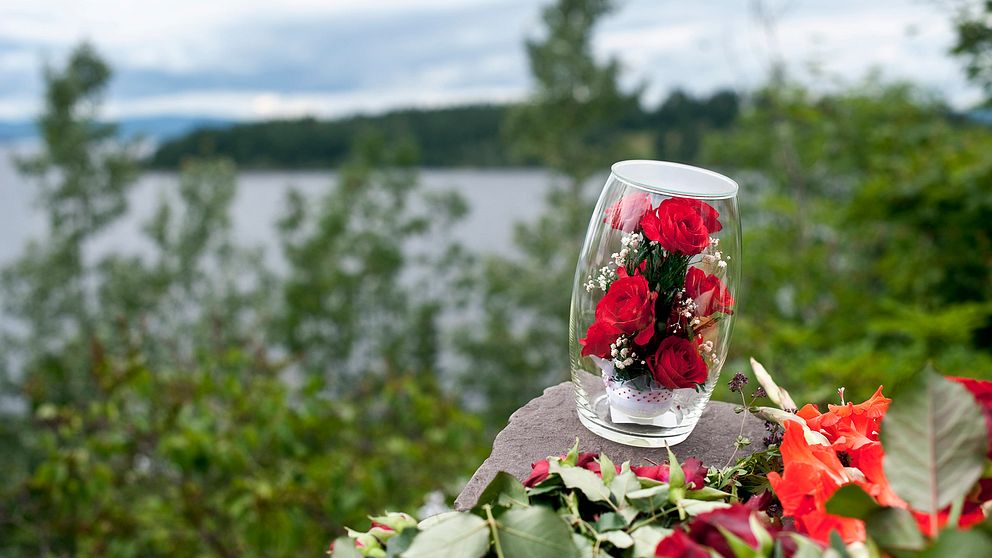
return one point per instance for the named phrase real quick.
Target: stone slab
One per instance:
(549, 424)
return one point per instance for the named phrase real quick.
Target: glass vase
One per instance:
(653, 301)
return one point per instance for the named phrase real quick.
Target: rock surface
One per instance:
(549, 424)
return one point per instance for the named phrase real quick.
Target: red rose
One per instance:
(695, 472)
(710, 216)
(677, 364)
(677, 227)
(538, 472)
(626, 214)
(679, 545)
(709, 293)
(707, 529)
(590, 462)
(598, 339)
(629, 307)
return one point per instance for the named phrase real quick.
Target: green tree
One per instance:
(974, 42)
(82, 179)
(367, 279)
(154, 405)
(866, 244)
(571, 125)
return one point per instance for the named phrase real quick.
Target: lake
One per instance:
(497, 199)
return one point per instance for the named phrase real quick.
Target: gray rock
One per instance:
(549, 425)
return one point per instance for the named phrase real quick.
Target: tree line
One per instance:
(463, 136)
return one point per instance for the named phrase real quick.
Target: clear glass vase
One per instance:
(653, 301)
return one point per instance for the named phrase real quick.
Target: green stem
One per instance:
(743, 421)
(492, 528)
(955, 516)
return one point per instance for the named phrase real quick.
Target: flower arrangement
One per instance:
(662, 294)
(904, 477)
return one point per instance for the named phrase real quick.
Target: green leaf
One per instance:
(698, 507)
(676, 476)
(646, 539)
(607, 468)
(707, 493)
(462, 535)
(433, 520)
(805, 548)
(535, 532)
(851, 501)
(609, 522)
(400, 543)
(894, 529)
(547, 486)
(584, 545)
(649, 499)
(837, 544)
(765, 541)
(890, 528)
(504, 490)
(344, 547)
(586, 481)
(624, 483)
(737, 545)
(935, 442)
(619, 539)
(572, 457)
(960, 544)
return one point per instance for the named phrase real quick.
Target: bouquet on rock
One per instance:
(909, 476)
(663, 294)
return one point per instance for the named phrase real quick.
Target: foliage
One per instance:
(177, 402)
(584, 506)
(973, 24)
(462, 136)
(681, 122)
(569, 126)
(362, 294)
(866, 236)
(925, 503)
(222, 459)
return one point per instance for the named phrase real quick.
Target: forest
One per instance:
(463, 136)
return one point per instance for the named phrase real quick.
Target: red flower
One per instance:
(629, 307)
(710, 216)
(811, 474)
(706, 529)
(679, 545)
(538, 472)
(695, 472)
(970, 515)
(677, 364)
(677, 227)
(981, 390)
(626, 213)
(709, 293)
(598, 339)
(540, 469)
(848, 427)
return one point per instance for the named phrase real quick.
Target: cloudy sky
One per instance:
(258, 58)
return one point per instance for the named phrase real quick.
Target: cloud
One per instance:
(254, 58)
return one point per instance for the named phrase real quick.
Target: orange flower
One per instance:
(811, 474)
(850, 426)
